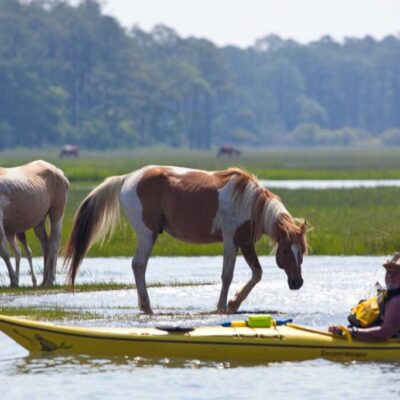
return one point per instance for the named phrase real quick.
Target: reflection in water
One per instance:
(122, 377)
(332, 286)
(47, 364)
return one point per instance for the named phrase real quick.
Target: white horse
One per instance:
(12, 240)
(28, 194)
(195, 206)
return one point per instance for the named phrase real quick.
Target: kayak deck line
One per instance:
(309, 329)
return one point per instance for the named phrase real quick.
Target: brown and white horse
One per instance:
(28, 194)
(195, 206)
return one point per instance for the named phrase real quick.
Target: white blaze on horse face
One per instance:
(296, 252)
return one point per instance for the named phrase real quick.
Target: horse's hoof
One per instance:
(232, 307)
(47, 284)
(146, 310)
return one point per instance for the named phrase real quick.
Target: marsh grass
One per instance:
(348, 222)
(267, 163)
(362, 221)
(60, 313)
(53, 314)
(89, 287)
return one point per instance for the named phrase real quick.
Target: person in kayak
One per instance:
(386, 323)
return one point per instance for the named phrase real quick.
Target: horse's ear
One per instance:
(306, 227)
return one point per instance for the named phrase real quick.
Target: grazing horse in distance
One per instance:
(28, 194)
(195, 206)
(69, 150)
(228, 150)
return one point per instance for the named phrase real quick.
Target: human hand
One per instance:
(335, 330)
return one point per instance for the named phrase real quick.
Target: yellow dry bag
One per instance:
(366, 313)
(370, 312)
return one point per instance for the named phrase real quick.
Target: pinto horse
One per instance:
(195, 206)
(28, 194)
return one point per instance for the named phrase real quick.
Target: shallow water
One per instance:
(332, 285)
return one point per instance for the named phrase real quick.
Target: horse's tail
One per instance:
(97, 216)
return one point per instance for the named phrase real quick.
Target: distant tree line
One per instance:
(71, 74)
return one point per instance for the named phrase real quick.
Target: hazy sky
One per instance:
(240, 22)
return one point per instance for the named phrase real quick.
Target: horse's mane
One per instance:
(294, 229)
(267, 210)
(249, 194)
(241, 178)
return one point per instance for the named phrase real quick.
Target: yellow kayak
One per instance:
(243, 344)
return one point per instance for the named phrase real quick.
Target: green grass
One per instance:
(88, 287)
(345, 222)
(270, 163)
(53, 314)
(348, 222)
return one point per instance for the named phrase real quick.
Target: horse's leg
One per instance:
(41, 234)
(17, 254)
(28, 253)
(249, 254)
(49, 273)
(55, 213)
(230, 253)
(146, 240)
(6, 257)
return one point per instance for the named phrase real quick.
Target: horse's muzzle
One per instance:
(295, 284)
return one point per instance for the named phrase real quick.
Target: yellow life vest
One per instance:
(370, 312)
(366, 313)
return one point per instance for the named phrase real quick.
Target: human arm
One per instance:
(389, 327)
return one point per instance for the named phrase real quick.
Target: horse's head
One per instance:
(289, 254)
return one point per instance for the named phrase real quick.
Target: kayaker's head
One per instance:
(289, 255)
(392, 276)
